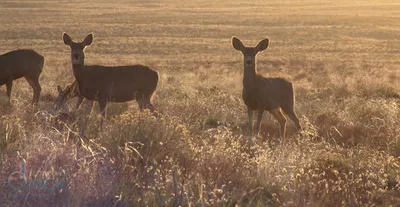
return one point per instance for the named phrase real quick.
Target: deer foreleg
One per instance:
(260, 113)
(250, 113)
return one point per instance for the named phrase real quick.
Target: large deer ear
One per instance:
(237, 44)
(59, 89)
(67, 39)
(262, 45)
(88, 40)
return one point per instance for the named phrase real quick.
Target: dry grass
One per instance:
(342, 58)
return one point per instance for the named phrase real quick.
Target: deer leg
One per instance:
(277, 113)
(260, 113)
(146, 104)
(79, 102)
(295, 120)
(152, 109)
(36, 93)
(89, 108)
(34, 83)
(250, 114)
(292, 115)
(102, 105)
(9, 85)
(83, 126)
(140, 103)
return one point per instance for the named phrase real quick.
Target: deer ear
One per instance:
(67, 39)
(237, 44)
(262, 45)
(88, 40)
(59, 89)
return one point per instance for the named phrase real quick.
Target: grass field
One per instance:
(342, 57)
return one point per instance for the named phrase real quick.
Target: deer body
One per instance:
(269, 96)
(21, 63)
(111, 83)
(116, 84)
(265, 94)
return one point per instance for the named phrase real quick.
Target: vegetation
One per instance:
(341, 56)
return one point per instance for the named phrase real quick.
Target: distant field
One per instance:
(342, 57)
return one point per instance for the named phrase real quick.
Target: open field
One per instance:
(342, 56)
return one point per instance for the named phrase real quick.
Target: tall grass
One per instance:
(344, 71)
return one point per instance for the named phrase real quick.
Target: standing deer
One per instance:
(21, 63)
(111, 83)
(265, 94)
(70, 91)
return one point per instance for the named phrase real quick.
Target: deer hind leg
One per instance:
(79, 102)
(88, 108)
(9, 85)
(140, 101)
(152, 109)
(34, 83)
(292, 115)
(141, 105)
(147, 105)
(102, 105)
(277, 113)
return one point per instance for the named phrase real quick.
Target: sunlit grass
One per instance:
(340, 55)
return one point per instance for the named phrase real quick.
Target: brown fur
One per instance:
(259, 93)
(21, 63)
(111, 83)
(70, 91)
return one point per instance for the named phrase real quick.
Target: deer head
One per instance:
(77, 53)
(250, 53)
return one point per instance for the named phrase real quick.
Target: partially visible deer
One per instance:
(265, 94)
(70, 91)
(111, 83)
(21, 63)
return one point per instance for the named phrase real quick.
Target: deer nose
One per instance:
(249, 62)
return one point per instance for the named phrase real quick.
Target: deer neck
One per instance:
(249, 77)
(77, 69)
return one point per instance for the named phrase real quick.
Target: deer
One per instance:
(69, 92)
(21, 63)
(272, 94)
(111, 83)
